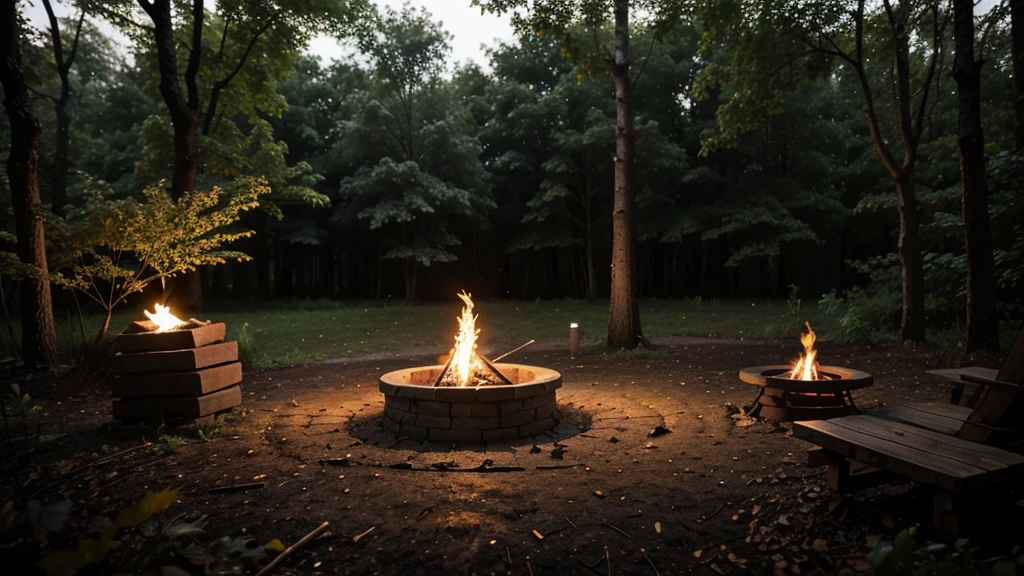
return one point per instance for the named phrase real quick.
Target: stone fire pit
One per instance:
(415, 408)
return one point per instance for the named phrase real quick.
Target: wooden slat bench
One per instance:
(942, 418)
(959, 470)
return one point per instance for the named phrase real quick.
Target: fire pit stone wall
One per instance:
(413, 407)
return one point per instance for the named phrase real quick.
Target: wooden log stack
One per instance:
(184, 374)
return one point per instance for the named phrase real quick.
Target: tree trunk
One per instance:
(624, 314)
(38, 333)
(185, 292)
(588, 233)
(59, 194)
(409, 267)
(1017, 51)
(982, 321)
(911, 263)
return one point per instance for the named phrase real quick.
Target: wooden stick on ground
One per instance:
(236, 488)
(511, 352)
(359, 537)
(287, 551)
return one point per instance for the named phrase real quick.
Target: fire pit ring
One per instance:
(787, 399)
(415, 408)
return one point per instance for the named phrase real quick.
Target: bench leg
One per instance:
(946, 512)
(838, 475)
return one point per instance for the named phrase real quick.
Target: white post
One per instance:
(574, 339)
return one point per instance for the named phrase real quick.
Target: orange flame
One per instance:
(806, 368)
(163, 318)
(464, 354)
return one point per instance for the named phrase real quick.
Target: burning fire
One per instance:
(464, 354)
(806, 367)
(164, 320)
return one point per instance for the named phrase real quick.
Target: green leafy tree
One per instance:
(418, 163)
(897, 45)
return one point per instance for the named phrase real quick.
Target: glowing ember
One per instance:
(806, 367)
(163, 318)
(464, 360)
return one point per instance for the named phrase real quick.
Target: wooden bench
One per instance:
(959, 470)
(967, 391)
(963, 453)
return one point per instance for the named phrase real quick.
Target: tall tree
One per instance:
(982, 322)
(772, 38)
(38, 334)
(1017, 53)
(242, 25)
(59, 193)
(415, 160)
(624, 316)
(183, 292)
(566, 18)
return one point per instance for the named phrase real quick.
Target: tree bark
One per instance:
(624, 314)
(1017, 51)
(185, 292)
(59, 194)
(911, 262)
(409, 267)
(38, 333)
(982, 321)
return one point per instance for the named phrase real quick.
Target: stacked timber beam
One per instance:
(184, 374)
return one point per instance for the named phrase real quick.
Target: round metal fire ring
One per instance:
(415, 408)
(787, 399)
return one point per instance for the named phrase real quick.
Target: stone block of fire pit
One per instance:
(414, 408)
(176, 360)
(140, 337)
(178, 407)
(182, 374)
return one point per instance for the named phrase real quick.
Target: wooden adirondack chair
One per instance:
(951, 448)
(972, 382)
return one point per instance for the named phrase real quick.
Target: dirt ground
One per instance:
(599, 495)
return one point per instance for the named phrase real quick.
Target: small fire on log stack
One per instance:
(466, 366)
(175, 369)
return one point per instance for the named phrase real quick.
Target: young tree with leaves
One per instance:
(38, 333)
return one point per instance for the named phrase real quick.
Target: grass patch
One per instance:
(298, 332)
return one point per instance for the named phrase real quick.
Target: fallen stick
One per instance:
(616, 529)
(358, 537)
(236, 488)
(570, 523)
(397, 440)
(510, 352)
(608, 560)
(653, 567)
(287, 551)
(103, 460)
(528, 567)
(557, 466)
(712, 515)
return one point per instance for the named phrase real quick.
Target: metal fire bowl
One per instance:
(414, 408)
(834, 379)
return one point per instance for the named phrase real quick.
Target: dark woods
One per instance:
(398, 174)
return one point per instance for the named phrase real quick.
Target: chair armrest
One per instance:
(976, 379)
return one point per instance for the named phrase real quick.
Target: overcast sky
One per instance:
(469, 28)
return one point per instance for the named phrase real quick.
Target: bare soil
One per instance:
(650, 471)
